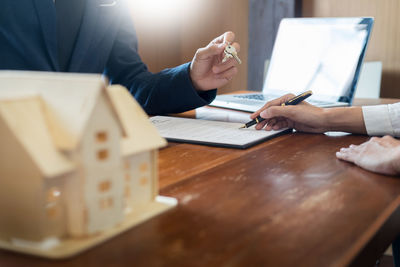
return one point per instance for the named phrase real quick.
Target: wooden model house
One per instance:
(78, 163)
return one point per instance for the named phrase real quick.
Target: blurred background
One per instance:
(170, 31)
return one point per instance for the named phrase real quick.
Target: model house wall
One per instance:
(77, 159)
(25, 176)
(101, 163)
(139, 178)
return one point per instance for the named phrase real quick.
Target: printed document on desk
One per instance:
(212, 133)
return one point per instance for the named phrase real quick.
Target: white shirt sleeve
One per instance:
(382, 120)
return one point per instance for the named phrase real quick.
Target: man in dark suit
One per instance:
(97, 36)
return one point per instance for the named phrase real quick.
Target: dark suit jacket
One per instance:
(106, 44)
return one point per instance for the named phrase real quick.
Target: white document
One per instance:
(214, 133)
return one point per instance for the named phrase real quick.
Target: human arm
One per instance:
(382, 119)
(381, 155)
(308, 118)
(172, 90)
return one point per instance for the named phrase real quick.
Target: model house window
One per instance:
(52, 202)
(104, 186)
(102, 154)
(127, 165)
(110, 202)
(85, 215)
(53, 195)
(101, 137)
(144, 181)
(144, 167)
(51, 211)
(127, 192)
(106, 203)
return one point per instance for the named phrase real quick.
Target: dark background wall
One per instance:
(264, 18)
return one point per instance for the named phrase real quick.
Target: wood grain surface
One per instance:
(286, 202)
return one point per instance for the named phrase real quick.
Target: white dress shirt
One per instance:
(382, 120)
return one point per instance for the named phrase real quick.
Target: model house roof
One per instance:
(26, 121)
(69, 98)
(60, 106)
(140, 134)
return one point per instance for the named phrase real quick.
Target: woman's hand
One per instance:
(302, 117)
(305, 117)
(381, 155)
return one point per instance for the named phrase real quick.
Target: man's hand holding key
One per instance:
(209, 68)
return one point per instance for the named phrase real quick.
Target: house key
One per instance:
(230, 52)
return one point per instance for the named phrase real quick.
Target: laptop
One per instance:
(324, 55)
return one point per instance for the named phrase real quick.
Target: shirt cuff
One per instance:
(207, 96)
(377, 120)
(394, 114)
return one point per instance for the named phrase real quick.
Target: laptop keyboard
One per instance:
(319, 102)
(252, 97)
(261, 97)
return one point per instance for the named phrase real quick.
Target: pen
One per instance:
(293, 101)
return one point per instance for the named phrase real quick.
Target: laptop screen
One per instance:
(319, 54)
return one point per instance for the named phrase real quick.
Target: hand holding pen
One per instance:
(258, 117)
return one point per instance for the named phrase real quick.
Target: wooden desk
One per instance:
(286, 202)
